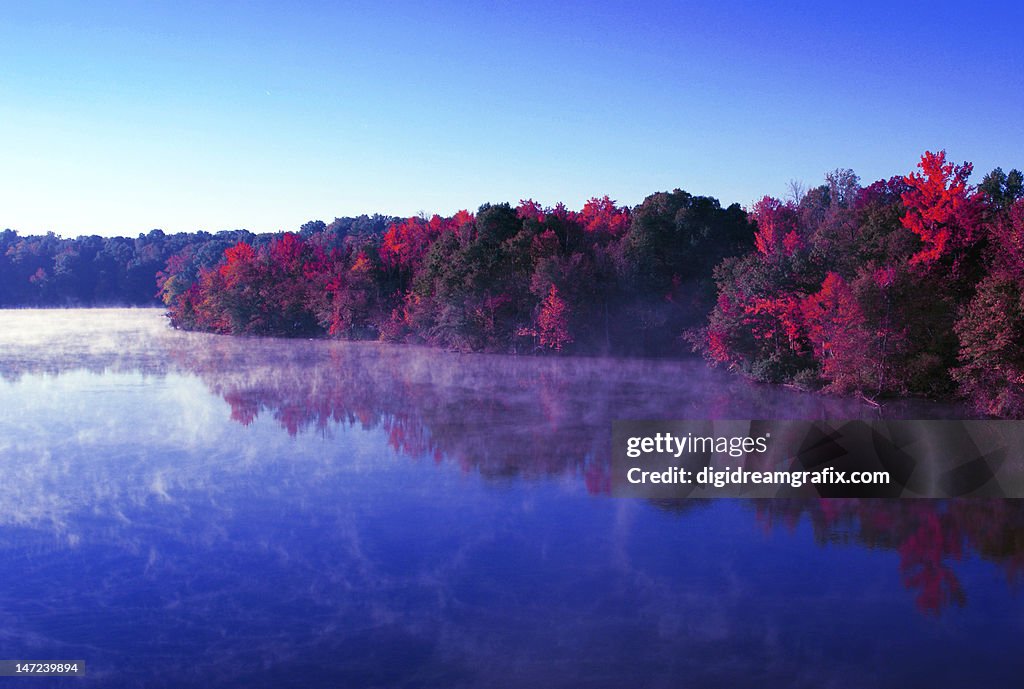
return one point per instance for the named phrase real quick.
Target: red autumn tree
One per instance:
(553, 322)
(286, 286)
(838, 332)
(778, 322)
(528, 209)
(602, 215)
(941, 208)
(230, 294)
(777, 224)
(407, 242)
(238, 265)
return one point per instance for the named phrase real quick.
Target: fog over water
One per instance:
(183, 509)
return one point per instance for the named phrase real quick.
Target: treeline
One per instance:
(50, 271)
(603, 279)
(908, 286)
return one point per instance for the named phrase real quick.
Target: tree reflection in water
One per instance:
(929, 536)
(533, 418)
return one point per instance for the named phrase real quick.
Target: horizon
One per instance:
(121, 119)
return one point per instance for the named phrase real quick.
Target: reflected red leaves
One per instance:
(930, 536)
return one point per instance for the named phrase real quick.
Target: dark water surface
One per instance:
(186, 510)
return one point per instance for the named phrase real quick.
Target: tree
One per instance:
(940, 208)
(777, 224)
(991, 334)
(1000, 189)
(601, 215)
(991, 328)
(839, 334)
(553, 322)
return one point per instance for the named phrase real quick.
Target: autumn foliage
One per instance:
(912, 285)
(907, 286)
(940, 208)
(606, 278)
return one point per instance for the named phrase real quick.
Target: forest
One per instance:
(913, 285)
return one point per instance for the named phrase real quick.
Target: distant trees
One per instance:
(48, 270)
(88, 271)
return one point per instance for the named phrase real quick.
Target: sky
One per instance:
(120, 117)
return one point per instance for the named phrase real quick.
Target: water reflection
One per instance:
(497, 415)
(929, 535)
(192, 510)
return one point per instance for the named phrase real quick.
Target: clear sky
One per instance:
(116, 118)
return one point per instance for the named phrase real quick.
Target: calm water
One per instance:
(188, 510)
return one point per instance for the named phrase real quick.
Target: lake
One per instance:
(192, 510)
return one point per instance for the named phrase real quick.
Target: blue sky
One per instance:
(116, 118)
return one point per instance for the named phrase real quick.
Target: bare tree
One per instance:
(795, 191)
